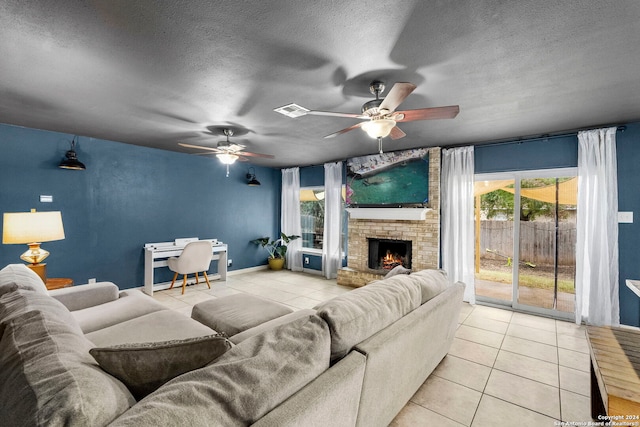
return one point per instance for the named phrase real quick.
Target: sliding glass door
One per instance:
(525, 240)
(494, 240)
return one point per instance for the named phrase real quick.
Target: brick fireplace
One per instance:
(424, 234)
(385, 254)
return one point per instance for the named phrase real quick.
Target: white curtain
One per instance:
(331, 250)
(597, 229)
(290, 220)
(457, 217)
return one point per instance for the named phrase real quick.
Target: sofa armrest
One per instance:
(84, 296)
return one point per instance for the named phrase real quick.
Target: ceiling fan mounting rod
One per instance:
(376, 88)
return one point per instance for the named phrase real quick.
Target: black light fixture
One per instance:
(253, 182)
(71, 161)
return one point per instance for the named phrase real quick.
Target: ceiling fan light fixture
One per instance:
(379, 128)
(227, 158)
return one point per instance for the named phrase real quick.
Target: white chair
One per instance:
(195, 257)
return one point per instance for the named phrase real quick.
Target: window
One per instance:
(312, 216)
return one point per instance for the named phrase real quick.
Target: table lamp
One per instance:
(33, 228)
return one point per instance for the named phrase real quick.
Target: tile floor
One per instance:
(504, 368)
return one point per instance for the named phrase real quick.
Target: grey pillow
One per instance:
(431, 282)
(22, 300)
(244, 384)
(146, 366)
(48, 378)
(398, 269)
(357, 315)
(22, 276)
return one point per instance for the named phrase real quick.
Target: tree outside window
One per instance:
(312, 217)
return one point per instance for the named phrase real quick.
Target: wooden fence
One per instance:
(536, 241)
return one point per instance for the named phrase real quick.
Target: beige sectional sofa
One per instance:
(353, 360)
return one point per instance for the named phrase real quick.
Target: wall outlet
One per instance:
(229, 262)
(92, 280)
(306, 260)
(625, 217)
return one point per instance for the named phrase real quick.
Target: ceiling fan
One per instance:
(379, 115)
(228, 152)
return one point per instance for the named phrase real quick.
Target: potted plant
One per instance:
(277, 249)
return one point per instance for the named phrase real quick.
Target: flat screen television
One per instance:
(393, 179)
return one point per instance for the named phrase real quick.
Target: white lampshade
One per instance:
(226, 158)
(378, 128)
(31, 227)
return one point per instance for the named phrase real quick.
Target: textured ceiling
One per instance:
(156, 73)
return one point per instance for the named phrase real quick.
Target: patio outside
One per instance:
(546, 268)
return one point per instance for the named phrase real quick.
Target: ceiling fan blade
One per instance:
(428, 113)
(200, 147)
(396, 95)
(336, 114)
(397, 133)
(247, 154)
(345, 130)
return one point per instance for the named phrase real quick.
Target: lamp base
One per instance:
(40, 269)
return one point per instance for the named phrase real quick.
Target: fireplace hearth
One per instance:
(385, 254)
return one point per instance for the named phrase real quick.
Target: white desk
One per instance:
(156, 255)
(634, 285)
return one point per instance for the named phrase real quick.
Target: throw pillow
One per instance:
(398, 269)
(21, 276)
(432, 282)
(244, 384)
(48, 378)
(20, 301)
(356, 315)
(145, 367)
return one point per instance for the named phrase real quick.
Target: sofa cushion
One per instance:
(131, 304)
(23, 300)
(356, 315)
(145, 367)
(432, 282)
(22, 276)
(287, 318)
(47, 376)
(244, 384)
(163, 325)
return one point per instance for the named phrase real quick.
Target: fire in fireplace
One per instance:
(385, 254)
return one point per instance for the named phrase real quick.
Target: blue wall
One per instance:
(312, 176)
(547, 153)
(628, 151)
(563, 152)
(129, 196)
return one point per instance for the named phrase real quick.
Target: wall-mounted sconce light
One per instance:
(71, 159)
(253, 182)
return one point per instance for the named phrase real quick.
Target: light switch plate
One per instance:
(625, 217)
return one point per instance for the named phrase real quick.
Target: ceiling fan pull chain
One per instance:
(227, 171)
(380, 145)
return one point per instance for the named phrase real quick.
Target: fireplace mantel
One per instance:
(407, 214)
